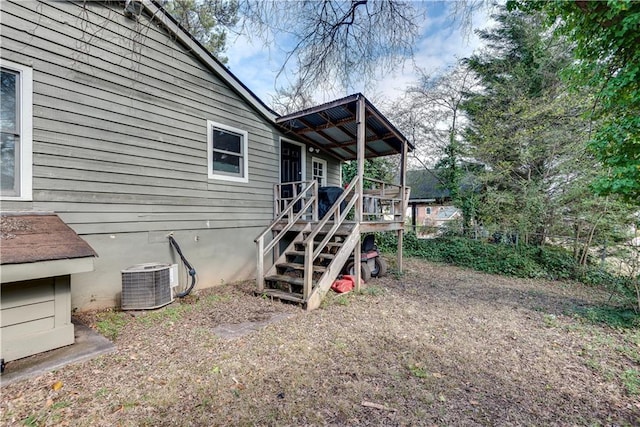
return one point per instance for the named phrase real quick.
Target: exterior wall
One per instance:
(429, 223)
(120, 114)
(35, 316)
(334, 174)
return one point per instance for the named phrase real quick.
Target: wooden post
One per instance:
(260, 266)
(315, 213)
(361, 134)
(414, 214)
(403, 201)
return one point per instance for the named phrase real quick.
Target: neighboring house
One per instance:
(126, 128)
(431, 209)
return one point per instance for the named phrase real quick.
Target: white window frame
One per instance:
(25, 151)
(211, 125)
(323, 162)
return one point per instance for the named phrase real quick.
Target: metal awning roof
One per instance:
(332, 127)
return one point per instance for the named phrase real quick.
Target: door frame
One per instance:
(303, 158)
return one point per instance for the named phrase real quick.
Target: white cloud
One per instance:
(257, 66)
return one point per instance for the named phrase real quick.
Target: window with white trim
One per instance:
(227, 149)
(319, 171)
(15, 131)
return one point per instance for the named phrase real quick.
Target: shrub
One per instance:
(510, 260)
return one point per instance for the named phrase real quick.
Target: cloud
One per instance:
(440, 46)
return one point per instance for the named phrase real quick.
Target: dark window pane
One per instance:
(227, 163)
(8, 163)
(8, 102)
(227, 141)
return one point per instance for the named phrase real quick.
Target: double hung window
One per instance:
(15, 131)
(227, 153)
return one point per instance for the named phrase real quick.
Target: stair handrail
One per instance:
(310, 254)
(291, 221)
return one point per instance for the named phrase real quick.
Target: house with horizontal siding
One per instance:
(121, 134)
(128, 130)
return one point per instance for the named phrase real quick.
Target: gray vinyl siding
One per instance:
(120, 119)
(120, 111)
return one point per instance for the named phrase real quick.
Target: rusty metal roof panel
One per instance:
(337, 135)
(33, 237)
(337, 121)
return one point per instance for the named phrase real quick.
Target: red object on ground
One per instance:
(344, 285)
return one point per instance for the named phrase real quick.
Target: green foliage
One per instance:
(206, 20)
(615, 317)
(631, 380)
(110, 323)
(525, 127)
(371, 290)
(527, 261)
(379, 168)
(418, 371)
(169, 314)
(607, 49)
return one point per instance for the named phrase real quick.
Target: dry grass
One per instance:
(437, 346)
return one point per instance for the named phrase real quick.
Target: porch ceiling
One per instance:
(332, 127)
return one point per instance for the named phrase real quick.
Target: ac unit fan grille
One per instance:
(146, 286)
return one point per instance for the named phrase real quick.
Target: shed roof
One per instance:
(332, 128)
(33, 237)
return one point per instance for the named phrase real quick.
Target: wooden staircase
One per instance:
(307, 268)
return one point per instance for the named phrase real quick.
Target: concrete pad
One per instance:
(237, 330)
(88, 344)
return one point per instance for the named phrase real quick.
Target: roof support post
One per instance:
(403, 197)
(361, 135)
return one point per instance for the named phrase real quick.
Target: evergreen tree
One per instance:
(524, 126)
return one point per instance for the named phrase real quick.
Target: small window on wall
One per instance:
(227, 153)
(16, 131)
(428, 211)
(319, 167)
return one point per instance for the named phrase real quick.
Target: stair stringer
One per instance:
(333, 269)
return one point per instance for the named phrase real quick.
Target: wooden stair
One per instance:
(285, 280)
(314, 258)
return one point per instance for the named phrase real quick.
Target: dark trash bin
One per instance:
(327, 196)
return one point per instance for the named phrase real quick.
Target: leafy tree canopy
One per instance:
(380, 168)
(607, 48)
(206, 20)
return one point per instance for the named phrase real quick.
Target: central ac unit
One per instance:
(147, 286)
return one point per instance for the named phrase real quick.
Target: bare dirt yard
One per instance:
(437, 346)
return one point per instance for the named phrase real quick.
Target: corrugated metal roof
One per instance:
(33, 237)
(332, 127)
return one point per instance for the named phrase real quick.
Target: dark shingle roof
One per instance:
(426, 184)
(33, 237)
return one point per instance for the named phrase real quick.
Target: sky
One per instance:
(440, 45)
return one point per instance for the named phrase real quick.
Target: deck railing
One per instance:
(383, 201)
(295, 189)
